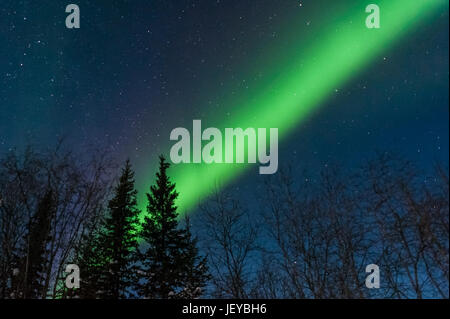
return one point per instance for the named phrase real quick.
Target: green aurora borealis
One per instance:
(342, 48)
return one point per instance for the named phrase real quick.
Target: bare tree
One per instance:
(79, 187)
(230, 238)
(322, 242)
(411, 213)
(329, 227)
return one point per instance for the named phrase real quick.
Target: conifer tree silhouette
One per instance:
(31, 260)
(169, 253)
(118, 239)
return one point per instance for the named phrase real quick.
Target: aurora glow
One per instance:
(338, 53)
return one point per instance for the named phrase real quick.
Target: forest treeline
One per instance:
(299, 235)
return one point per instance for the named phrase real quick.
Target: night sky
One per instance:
(137, 69)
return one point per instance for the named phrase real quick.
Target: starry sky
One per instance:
(136, 69)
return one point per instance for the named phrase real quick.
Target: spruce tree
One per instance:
(168, 250)
(118, 239)
(91, 261)
(31, 261)
(195, 269)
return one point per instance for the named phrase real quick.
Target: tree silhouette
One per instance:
(169, 254)
(118, 239)
(31, 261)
